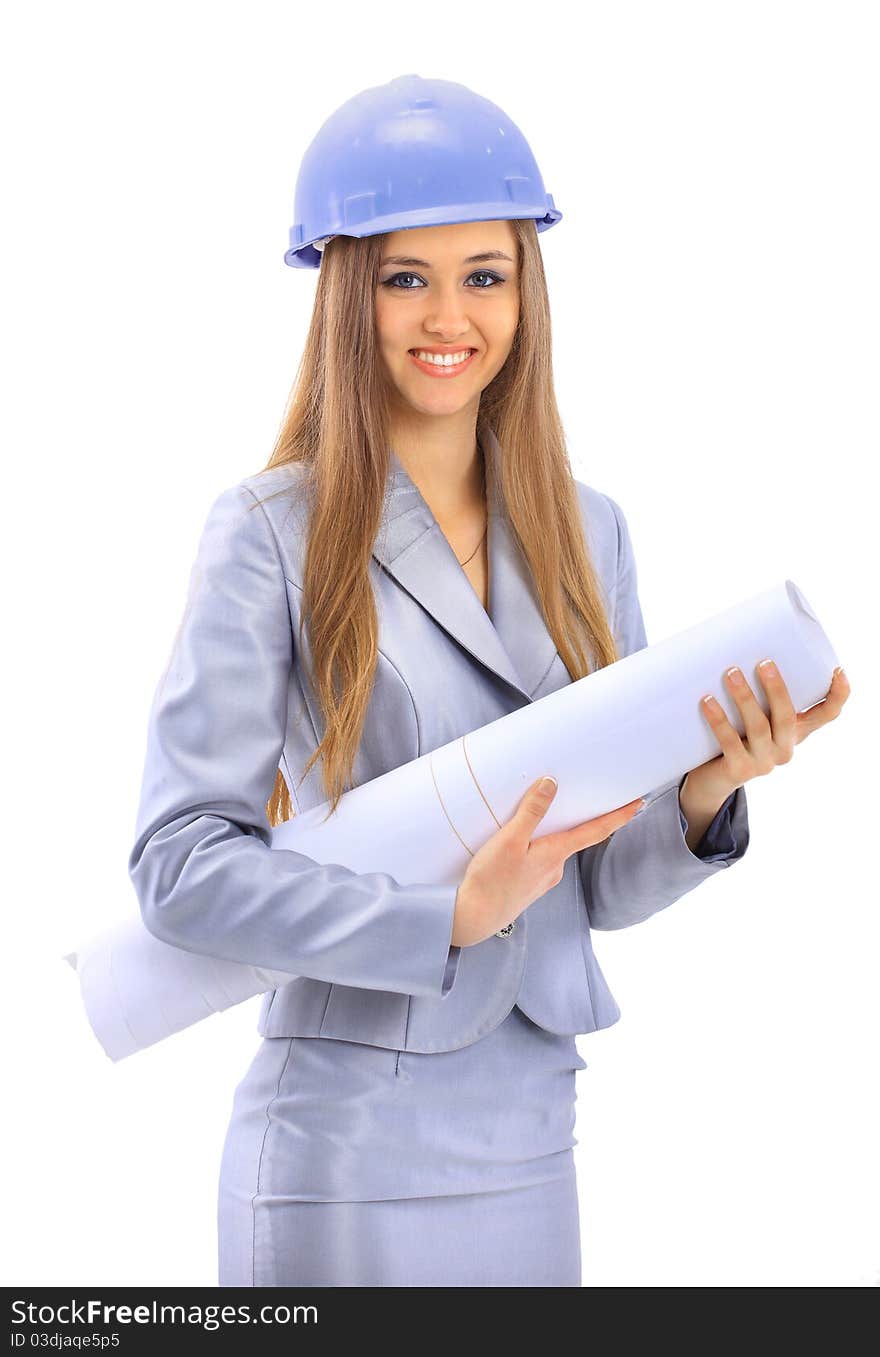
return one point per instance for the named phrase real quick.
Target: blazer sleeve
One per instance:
(647, 865)
(206, 877)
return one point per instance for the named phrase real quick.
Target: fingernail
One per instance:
(841, 673)
(547, 785)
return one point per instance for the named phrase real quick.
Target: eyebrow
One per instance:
(423, 263)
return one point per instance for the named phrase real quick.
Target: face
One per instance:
(447, 290)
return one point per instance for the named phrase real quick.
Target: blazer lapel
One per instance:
(511, 639)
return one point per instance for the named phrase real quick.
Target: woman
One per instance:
(415, 561)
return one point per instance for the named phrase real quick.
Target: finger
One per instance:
(589, 832)
(826, 710)
(532, 808)
(783, 717)
(738, 761)
(756, 722)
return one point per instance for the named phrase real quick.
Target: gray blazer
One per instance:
(372, 959)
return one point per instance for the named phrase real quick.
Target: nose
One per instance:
(448, 320)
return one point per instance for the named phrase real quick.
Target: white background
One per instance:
(714, 284)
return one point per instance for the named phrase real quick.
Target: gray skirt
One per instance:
(346, 1164)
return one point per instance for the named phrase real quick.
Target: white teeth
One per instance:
(445, 360)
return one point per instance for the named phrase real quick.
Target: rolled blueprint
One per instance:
(607, 738)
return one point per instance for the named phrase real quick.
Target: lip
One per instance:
(434, 370)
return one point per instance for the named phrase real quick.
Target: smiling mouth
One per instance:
(444, 368)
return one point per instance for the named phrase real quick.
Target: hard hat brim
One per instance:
(303, 253)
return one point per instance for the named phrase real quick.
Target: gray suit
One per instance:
(372, 958)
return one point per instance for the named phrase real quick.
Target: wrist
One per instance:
(702, 786)
(700, 798)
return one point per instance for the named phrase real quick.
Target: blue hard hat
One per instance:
(410, 153)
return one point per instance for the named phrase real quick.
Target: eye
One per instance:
(485, 273)
(392, 282)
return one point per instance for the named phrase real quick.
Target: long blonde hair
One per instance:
(336, 422)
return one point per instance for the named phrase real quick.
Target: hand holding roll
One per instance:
(512, 870)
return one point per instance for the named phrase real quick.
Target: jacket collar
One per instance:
(511, 638)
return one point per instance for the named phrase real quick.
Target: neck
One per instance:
(443, 459)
